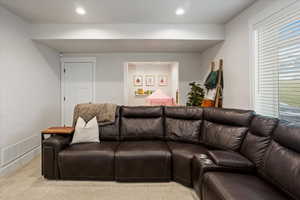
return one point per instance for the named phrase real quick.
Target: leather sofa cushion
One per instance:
(183, 130)
(182, 157)
(263, 126)
(230, 159)
(183, 124)
(223, 136)
(142, 129)
(110, 131)
(232, 186)
(258, 138)
(142, 111)
(142, 123)
(88, 161)
(233, 117)
(143, 161)
(184, 112)
(254, 148)
(288, 135)
(281, 164)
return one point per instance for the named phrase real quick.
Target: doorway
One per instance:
(142, 79)
(78, 85)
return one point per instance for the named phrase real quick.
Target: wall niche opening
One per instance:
(151, 83)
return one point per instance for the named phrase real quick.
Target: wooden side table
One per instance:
(57, 131)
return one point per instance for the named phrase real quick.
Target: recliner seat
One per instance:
(88, 161)
(182, 127)
(142, 155)
(277, 177)
(251, 156)
(143, 161)
(234, 186)
(182, 158)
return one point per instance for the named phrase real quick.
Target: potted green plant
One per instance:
(196, 95)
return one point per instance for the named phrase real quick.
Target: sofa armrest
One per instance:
(50, 149)
(230, 159)
(58, 142)
(199, 168)
(216, 162)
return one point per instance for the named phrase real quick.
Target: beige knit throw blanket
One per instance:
(105, 112)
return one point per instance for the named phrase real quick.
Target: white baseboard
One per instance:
(17, 150)
(20, 162)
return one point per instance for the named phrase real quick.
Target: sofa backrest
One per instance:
(110, 131)
(258, 138)
(281, 163)
(141, 123)
(225, 128)
(183, 123)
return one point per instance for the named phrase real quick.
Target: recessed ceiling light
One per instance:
(80, 11)
(180, 11)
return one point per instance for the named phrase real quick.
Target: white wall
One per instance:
(174, 80)
(128, 31)
(29, 89)
(110, 72)
(235, 51)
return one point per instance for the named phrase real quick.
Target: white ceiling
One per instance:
(108, 46)
(127, 11)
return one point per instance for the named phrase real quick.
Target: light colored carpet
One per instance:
(28, 184)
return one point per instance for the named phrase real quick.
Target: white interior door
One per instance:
(78, 87)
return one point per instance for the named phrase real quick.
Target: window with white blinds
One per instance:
(277, 65)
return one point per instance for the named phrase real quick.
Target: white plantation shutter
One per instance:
(277, 61)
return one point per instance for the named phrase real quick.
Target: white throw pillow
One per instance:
(86, 132)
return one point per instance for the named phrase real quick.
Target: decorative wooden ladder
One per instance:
(219, 89)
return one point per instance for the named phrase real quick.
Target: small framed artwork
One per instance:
(149, 80)
(138, 80)
(163, 80)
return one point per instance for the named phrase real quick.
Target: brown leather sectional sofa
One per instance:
(249, 157)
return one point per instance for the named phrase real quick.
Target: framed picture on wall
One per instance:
(149, 80)
(163, 80)
(138, 80)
